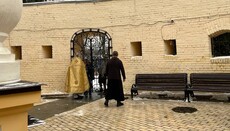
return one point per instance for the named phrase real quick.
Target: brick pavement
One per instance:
(141, 115)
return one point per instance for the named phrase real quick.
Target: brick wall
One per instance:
(148, 21)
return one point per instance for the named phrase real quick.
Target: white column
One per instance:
(10, 14)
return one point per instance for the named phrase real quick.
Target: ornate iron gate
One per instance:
(93, 46)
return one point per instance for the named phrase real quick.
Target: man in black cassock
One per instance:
(114, 70)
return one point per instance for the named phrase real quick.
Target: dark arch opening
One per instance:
(221, 45)
(93, 46)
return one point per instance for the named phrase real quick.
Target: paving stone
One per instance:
(143, 115)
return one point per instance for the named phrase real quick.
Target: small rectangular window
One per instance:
(17, 50)
(136, 48)
(170, 47)
(47, 51)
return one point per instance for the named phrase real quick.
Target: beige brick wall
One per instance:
(148, 21)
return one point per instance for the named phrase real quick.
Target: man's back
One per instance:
(114, 68)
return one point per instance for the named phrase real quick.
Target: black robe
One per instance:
(114, 70)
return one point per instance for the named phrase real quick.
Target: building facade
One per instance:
(151, 36)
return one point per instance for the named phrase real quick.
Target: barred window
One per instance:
(221, 45)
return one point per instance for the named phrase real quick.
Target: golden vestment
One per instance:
(76, 79)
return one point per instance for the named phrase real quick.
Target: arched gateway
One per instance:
(93, 46)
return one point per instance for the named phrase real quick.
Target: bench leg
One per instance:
(191, 93)
(131, 94)
(186, 96)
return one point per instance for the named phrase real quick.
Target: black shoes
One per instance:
(106, 103)
(119, 104)
(77, 97)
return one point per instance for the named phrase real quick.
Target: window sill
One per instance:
(220, 60)
(136, 58)
(170, 56)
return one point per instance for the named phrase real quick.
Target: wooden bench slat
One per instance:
(160, 84)
(210, 85)
(209, 90)
(210, 76)
(162, 76)
(160, 81)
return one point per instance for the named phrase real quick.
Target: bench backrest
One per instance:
(210, 81)
(169, 81)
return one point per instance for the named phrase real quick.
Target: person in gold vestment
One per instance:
(76, 80)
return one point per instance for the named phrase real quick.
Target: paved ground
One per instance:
(56, 104)
(142, 115)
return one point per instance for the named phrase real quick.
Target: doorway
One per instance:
(93, 46)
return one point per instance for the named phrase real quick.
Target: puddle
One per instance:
(184, 109)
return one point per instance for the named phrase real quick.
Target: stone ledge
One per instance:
(19, 87)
